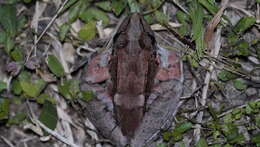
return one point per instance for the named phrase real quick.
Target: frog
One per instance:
(137, 85)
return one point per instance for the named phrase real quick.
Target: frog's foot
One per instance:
(169, 65)
(169, 70)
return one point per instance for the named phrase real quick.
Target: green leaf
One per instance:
(55, 66)
(21, 23)
(64, 29)
(257, 121)
(17, 54)
(27, 1)
(202, 143)
(87, 95)
(155, 3)
(239, 84)
(49, 116)
(252, 107)
(9, 45)
(256, 138)
(181, 128)
(94, 14)
(167, 136)
(228, 145)
(243, 24)
(33, 88)
(88, 31)
(149, 18)
(243, 48)
(248, 110)
(45, 97)
(196, 15)
(232, 134)
(226, 76)
(181, 16)
(3, 86)
(232, 38)
(258, 1)
(133, 5)
(213, 112)
(17, 119)
(24, 76)
(74, 11)
(105, 5)
(161, 145)
(118, 6)
(177, 133)
(3, 37)
(228, 118)
(4, 108)
(69, 4)
(161, 17)
(211, 7)
(193, 59)
(8, 19)
(11, 1)
(69, 89)
(237, 113)
(16, 87)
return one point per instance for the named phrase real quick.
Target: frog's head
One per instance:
(134, 34)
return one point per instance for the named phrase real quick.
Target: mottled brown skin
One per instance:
(133, 67)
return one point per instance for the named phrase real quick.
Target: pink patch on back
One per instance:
(95, 72)
(173, 69)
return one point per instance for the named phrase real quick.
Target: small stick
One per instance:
(47, 27)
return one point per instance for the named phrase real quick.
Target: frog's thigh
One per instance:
(169, 66)
(160, 113)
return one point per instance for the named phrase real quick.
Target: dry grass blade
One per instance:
(47, 27)
(55, 134)
(213, 24)
(7, 141)
(258, 13)
(213, 42)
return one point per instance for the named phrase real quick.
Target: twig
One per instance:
(241, 9)
(190, 95)
(48, 130)
(179, 37)
(47, 27)
(178, 5)
(110, 42)
(53, 133)
(205, 91)
(229, 111)
(7, 141)
(213, 42)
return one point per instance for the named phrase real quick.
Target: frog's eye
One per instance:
(145, 41)
(120, 41)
